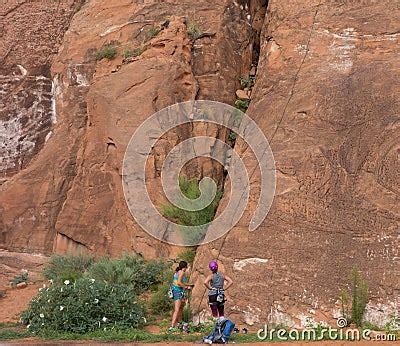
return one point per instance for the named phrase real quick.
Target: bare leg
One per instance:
(175, 315)
(181, 311)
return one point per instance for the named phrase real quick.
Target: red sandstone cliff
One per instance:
(326, 96)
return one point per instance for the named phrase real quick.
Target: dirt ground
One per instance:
(320, 343)
(16, 300)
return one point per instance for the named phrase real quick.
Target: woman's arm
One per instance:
(180, 283)
(229, 282)
(207, 282)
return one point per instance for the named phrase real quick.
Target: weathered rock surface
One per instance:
(70, 197)
(327, 96)
(30, 35)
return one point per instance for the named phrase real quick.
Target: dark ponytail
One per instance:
(182, 264)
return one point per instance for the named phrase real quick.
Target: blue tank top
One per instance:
(175, 285)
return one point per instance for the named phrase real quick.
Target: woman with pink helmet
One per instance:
(215, 282)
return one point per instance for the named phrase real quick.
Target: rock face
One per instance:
(30, 35)
(69, 198)
(327, 98)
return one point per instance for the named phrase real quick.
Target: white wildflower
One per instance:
(92, 280)
(61, 289)
(48, 301)
(96, 301)
(28, 326)
(66, 282)
(51, 281)
(61, 308)
(144, 319)
(104, 319)
(40, 289)
(41, 315)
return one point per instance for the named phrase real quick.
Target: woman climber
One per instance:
(178, 286)
(215, 283)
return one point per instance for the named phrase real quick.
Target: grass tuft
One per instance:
(109, 52)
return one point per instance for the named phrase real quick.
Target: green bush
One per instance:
(359, 297)
(242, 105)
(193, 30)
(82, 306)
(23, 277)
(109, 52)
(232, 136)
(128, 53)
(186, 313)
(67, 267)
(187, 255)
(190, 188)
(344, 304)
(129, 270)
(159, 302)
(247, 82)
(198, 219)
(151, 33)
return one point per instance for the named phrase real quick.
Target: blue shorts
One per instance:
(178, 294)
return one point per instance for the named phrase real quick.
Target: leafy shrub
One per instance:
(129, 270)
(247, 82)
(109, 52)
(242, 105)
(151, 33)
(187, 255)
(159, 302)
(194, 31)
(186, 313)
(232, 136)
(198, 219)
(61, 268)
(23, 277)
(344, 304)
(128, 53)
(359, 299)
(190, 188)
(83, 306)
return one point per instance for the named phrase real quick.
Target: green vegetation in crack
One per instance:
(109, 51)
(151, 33)
(194, 30)
(198, 219)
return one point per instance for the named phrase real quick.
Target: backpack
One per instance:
(221, 333)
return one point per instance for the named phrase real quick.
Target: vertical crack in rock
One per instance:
(255, 13)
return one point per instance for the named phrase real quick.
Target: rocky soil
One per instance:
(326, 96)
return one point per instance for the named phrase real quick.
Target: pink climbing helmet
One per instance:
(213, 266)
